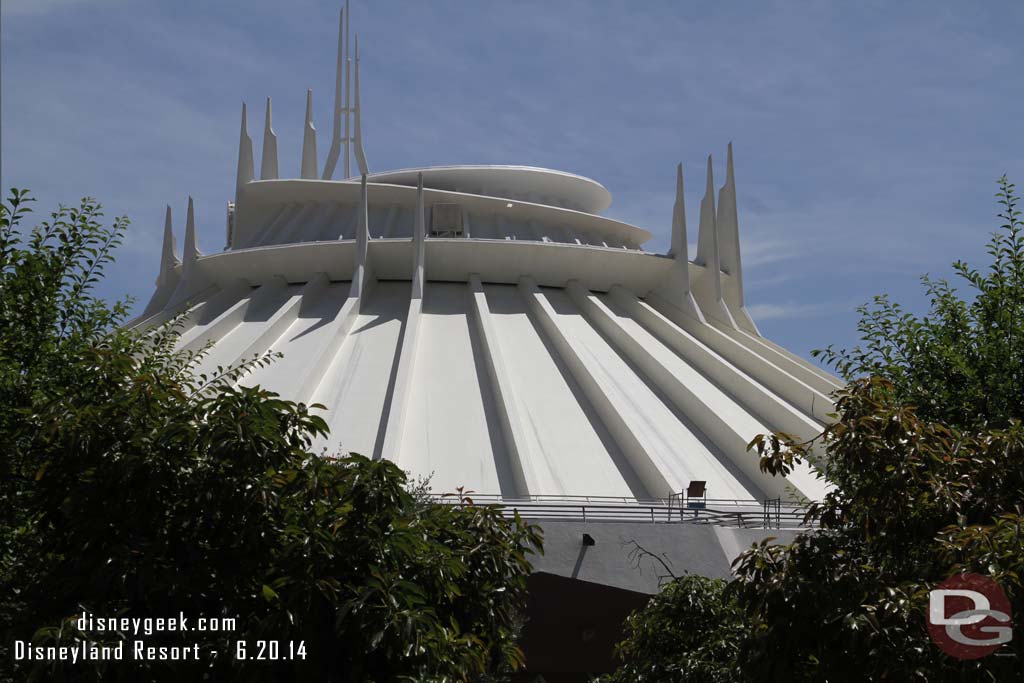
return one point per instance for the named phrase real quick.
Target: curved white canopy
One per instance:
(527, 183)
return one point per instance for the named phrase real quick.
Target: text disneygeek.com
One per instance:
(132, 646)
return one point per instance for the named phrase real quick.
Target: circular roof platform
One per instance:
(524, 183)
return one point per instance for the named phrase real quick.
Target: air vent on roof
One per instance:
(446, 220)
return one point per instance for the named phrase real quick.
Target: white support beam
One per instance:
(227, 321)
(528, 467)
(156, 303)
(715, 413)
(339, 327)
(410, 339)
(758, 398)
(392, 448)
(336, 333)
(283, 317)
(784, 359)
(212, 306)
(190, 307)
(630, 440)
(830, 379)
(193, 309)
(363, 276)
(419, 239)
(805, 397)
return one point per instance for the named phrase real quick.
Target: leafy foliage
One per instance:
(688, 632)
(926, 463)
(915, 502)
(47, 312)
(139, 489)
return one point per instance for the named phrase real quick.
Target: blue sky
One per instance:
(868, 136)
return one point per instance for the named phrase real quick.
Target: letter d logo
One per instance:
(969, 616)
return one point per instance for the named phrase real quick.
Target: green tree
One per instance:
(137, 488)
(914, 502)
(926, 463)
(689, 632)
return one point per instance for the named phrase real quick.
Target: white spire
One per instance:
(679, 247)
(348, 95)
(309, 142)
(246, 167)
(358, 132)
(191, 242)
(707, 234)
(418, 237)
(335, 151)
(169, 257)
(709, 292)
(729, 251)
(728, 228)
(268, 164)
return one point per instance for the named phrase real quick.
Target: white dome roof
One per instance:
(515, 363)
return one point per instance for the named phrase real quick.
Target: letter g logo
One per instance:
(961, 612)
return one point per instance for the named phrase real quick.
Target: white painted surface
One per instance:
(355, 387)
(543, 353)
(451, 429)
(577, 453)
(301, 342)
(265, 303)
(674, 445)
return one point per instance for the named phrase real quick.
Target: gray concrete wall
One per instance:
(613, 559)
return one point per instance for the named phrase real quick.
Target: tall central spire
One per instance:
(348, 93)
(342, 109)
(360, 154)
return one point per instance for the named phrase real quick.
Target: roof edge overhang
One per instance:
(568, 190)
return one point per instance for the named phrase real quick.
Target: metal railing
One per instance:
(729, 512)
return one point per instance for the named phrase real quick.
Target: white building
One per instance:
(486, 326)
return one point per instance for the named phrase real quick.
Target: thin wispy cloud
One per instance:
(788, 311)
